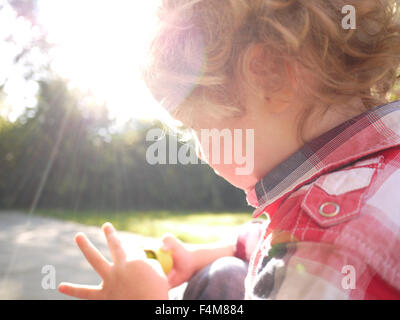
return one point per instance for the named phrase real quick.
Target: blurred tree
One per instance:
(95, 167)
(24, 52)
(25, 8)
(63, 152)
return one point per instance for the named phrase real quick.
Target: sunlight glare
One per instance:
(99, 45)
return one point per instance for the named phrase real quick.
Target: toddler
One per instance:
(312, 79)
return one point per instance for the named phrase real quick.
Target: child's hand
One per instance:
(139, 278)
(183, 268)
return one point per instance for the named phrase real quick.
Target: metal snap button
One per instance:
(323, 213)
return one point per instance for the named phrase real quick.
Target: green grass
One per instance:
(191, 227)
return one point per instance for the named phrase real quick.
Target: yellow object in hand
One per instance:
(163, 257)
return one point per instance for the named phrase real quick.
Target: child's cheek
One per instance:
(236, 165)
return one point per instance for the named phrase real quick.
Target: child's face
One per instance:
(274, 139)
(274, 122)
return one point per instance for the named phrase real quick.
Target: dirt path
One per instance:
(29, 244)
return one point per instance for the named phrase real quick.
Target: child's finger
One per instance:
(174, 279)
(93, 256)
(80, 291)
(168, 241)
(117, 252)
(171, 276)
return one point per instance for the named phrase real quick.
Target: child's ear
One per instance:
(268, 74)
(257, 60)
(265, 67)
(255, 68)
(291, 71)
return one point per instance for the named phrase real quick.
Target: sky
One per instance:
(98, 47)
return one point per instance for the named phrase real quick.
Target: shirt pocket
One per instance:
(336, 197)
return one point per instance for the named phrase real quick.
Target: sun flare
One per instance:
(99, 46)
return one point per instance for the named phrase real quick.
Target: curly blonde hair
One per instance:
(201, 50)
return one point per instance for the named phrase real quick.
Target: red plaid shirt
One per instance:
(334, 216)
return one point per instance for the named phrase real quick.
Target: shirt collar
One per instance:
(365, 134)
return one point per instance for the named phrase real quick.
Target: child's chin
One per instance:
(246, 184)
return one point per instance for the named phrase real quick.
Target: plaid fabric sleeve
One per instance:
(350, 250)
(315, 271)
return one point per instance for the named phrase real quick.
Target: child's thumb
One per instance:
(169, 241)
